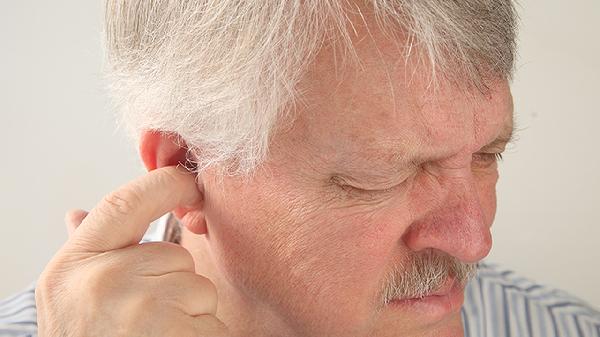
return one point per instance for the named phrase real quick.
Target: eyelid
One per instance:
(345, 180)
(501, 144)
(486, 159)
(349, 186)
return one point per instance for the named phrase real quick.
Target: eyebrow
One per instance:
(399, 161)
(506, 137)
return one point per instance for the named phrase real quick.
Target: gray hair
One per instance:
(222, 74)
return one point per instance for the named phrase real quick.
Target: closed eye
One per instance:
(362, 193)
(484, 160)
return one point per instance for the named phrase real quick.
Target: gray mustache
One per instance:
(424, 273)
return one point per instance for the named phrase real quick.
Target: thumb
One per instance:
(73, 219)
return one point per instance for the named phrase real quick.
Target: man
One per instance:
(344, 162)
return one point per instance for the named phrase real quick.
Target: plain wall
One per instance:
(61, 150)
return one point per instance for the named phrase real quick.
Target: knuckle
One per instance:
(122, 202)
(44, 289)
(142, 310)
(136, 314)
(207, 292)
(101, 278)
(208, 325)
(171, 253)
(184, 256)
(208, 286)
(50, 282)
(55, 292)
(140, 304)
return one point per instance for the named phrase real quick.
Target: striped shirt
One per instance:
(498, 303)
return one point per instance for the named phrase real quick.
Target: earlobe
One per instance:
(194, 221)
(161, 149)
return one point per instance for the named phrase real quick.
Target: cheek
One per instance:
(285, 250)
(240, 236)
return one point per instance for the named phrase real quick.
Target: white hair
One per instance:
(222, 74)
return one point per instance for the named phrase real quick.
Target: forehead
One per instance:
(388, 106)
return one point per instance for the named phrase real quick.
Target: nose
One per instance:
(455, 226)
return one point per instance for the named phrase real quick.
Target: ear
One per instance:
(161, 149)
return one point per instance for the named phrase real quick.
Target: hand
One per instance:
(102, 282)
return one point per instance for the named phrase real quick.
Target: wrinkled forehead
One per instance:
(386, 100)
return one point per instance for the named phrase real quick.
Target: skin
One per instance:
(130, 289)
(375, 167)
(292, 252)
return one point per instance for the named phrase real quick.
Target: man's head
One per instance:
(346, 150)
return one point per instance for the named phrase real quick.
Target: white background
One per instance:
(61, 150)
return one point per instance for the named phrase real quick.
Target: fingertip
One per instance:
(123, 216)
(194, 195)
(74, 217)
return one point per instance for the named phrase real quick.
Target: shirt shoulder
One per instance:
(18, 315)
(498, 303)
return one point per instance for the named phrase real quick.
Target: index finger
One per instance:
(122, 217)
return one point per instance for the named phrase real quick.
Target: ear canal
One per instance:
(189, 164)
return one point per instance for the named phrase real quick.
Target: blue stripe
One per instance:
(577, 326)
(542, 327)
(496, 304)
(532, 288)
(34, 323)
(465, 322)
(528, 316)
(483, 313)
(14, 333)
(566, 304)
(15, 297)
(21, 309)
(505, 308)
(497, 321)
(553, 320)
(553, 314)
